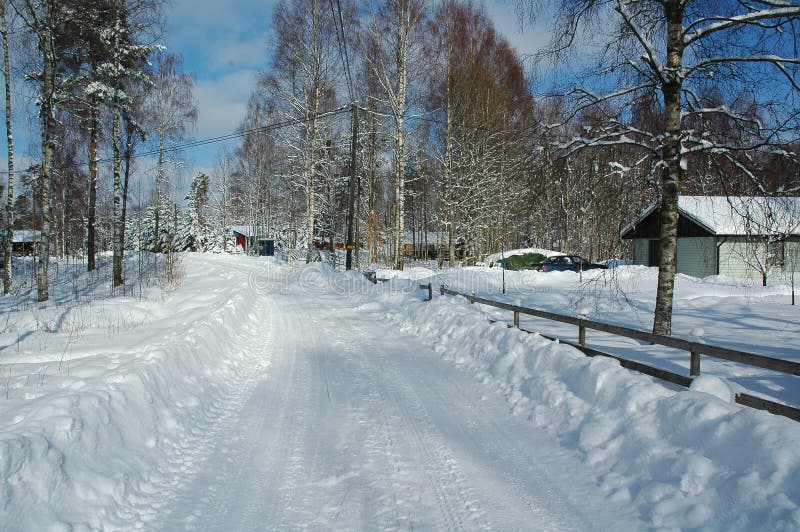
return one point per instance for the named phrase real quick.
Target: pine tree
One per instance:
(195, 229)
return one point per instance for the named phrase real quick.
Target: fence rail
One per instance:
(695, 349)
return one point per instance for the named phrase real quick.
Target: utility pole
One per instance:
(354, 186)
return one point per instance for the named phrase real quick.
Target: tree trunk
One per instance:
(48, 88)
(91, 216)
(671, 173)
(117, 279)
(159, 180)
(399, 111)
(311, 185)
(10, 186)
(448, 161)
(129, 132)
(399, 193)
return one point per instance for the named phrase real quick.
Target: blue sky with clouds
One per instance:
(225, 44)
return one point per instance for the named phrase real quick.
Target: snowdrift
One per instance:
(106, 443)
(686, 459)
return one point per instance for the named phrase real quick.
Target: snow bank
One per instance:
(105, 441)
(686, 459)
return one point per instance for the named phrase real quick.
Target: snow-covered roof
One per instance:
(736, 215)
(26, 236)
(249, 230)
(433, 237)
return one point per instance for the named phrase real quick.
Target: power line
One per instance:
(223, 138)
(338, 22)
(235, 135)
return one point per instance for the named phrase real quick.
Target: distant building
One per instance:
(23, 242)
(253, 240)
(717, 235)
(424, 245)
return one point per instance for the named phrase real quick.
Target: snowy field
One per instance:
(254, 396)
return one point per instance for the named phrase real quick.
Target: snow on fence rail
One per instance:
(694, 348)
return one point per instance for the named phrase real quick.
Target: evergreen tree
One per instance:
(195, 229)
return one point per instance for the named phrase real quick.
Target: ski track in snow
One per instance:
(345, 423)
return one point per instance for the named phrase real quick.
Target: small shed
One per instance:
(23, 241)
(422, 245)
(254, 240)
(738, 236)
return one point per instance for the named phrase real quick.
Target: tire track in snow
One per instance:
(356, 426)
(553, 489)
(445, 478)
(403, 415)
(200, 486)
(389, 501)
(185, 451)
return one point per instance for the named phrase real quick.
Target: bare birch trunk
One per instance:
(7, 281)
(311, 185)
(128, 155)
(159, 181)
(117, 244)
(48, 89)
(403, 27)
(91, 215)
(671, 174)
(311, 135)
(448, 164)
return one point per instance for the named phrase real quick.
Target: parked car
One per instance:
(567, 263)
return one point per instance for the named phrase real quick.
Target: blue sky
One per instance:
(225, 44)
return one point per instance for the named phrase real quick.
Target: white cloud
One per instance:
(225, 34)
(525, 37)
(223, 102)
(240, 54)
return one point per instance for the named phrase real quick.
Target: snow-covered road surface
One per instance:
(354, 425)
(256, 396)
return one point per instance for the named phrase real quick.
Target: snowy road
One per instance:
(348, 424)
(255, 396)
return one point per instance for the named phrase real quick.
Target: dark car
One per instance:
(567, 263)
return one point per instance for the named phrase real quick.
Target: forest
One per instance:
(378, 124)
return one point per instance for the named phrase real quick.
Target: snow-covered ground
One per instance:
(735, 313)
(255, 396)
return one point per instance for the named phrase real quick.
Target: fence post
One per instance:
(694, 365)
(430, 292)
(472, 298)
(582, 335)
(442, 289)
(516, 319)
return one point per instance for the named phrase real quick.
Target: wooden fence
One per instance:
(695, 350)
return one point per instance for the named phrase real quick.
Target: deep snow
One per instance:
(255, 396)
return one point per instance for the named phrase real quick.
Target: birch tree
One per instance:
(678, 49)
(119, 69)
(171, 107)
(43, 18)
(394, 35)
(304, 75)
(481, 90)
(9, 236)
